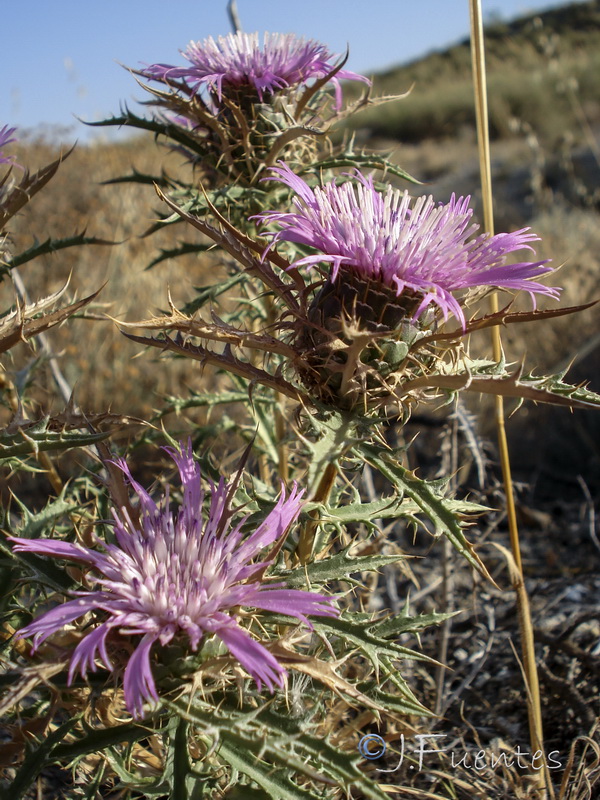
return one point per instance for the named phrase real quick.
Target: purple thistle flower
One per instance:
(419, 246)
(177, 573)
(238, 60)
(6, 137)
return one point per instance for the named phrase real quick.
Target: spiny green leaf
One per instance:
(491, 378)
(403, 623)
(142, 177)
(178, 404)
(92, 790)
(364, 161)
(240, 753)
(35, 438)
(178, 761)
(430, 503)
(384, 508)
(336, 568)
(171, 131)
(245, 744)
(243, 791)
(265, 430)
(130, 779)
(354, 513)
(42, 753)
(561, 393)
(350, 632)
(265, 745)
(33, 525)
(186, 248)
(96, 740)
(207, 294)
(402, 703)
(53, 246)
(336, 434)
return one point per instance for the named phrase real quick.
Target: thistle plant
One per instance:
(27, 320)
(394, 268)
(242, 102)
(262, 96)
(231, 636)
(170, 575)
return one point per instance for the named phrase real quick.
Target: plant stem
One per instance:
(450, 466)
(321, 495)
(525, 626)
(280, 431)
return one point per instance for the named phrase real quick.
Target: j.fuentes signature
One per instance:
(372, 746)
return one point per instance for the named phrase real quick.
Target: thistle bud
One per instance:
(356, 341)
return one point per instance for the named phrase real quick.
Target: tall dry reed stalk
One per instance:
(534, 707)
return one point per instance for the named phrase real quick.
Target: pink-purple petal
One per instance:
(146, 502)
(274, 526)
(281, 62)
(56, 618)
(60, 549)
(184, 572)
(403, 243)
(138, 682)
(84, 656)
(189, 472)
(295, 603)
(6, 137)
(256, 659)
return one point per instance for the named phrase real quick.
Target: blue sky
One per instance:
(61, 56)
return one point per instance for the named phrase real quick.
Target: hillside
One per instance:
(542, 69)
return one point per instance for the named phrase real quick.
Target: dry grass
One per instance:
(105, 368)
(571, 238)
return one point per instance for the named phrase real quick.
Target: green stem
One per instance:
(307, 537)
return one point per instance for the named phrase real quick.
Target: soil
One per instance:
(482, 700)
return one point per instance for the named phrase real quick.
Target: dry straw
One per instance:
(525, 625)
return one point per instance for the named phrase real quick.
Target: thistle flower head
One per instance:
(416, 246)
(6, 137)
(180, 573)
(239, 60)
